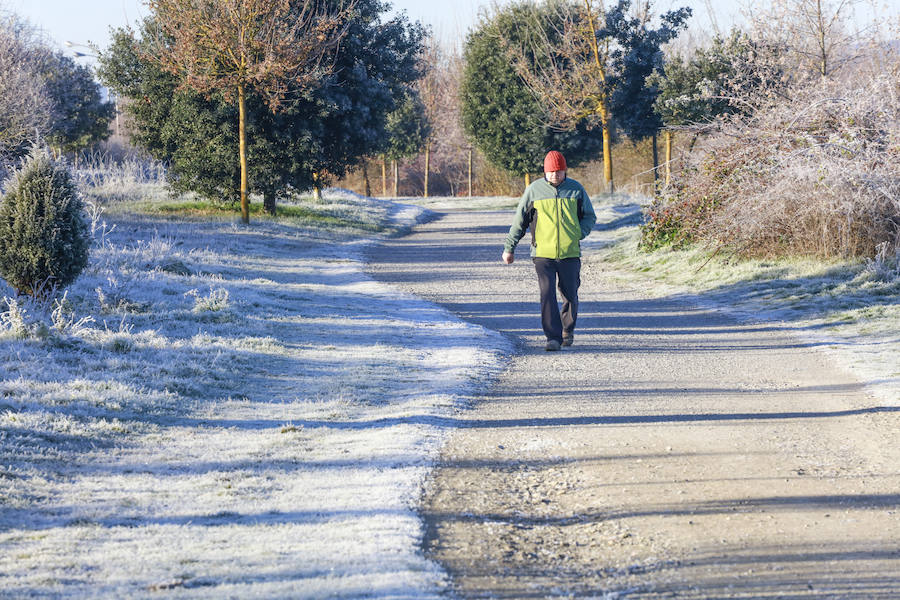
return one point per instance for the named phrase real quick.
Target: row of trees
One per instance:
(578, 66)
(306, 89)
(569, 75)
(283, 95)
(45, 97)
(798, 150)
(206, 79)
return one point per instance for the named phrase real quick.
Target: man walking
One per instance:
(559, 213)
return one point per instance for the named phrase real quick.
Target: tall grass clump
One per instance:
(44, 239)
(109, 179)
(815, 172)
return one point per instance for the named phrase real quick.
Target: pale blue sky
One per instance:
(81, 21)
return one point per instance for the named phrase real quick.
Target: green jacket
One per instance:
(559, 218)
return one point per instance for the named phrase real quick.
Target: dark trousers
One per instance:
(566, 275)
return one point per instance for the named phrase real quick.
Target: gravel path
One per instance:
(671, 453)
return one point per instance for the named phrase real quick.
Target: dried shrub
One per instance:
(817, 174)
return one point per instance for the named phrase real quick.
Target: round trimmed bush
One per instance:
(44, 239)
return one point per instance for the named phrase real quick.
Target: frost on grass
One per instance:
(256, 421)
(848, 307)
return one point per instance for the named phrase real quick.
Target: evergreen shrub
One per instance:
(44, 238)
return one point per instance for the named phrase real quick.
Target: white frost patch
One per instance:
(465, 203)
(248, 416)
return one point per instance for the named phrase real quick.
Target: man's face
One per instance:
(555, 177)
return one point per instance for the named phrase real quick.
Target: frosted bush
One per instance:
(14, 321)
(115, 296)
(26, 318)
(816, 174)
(64, 319)
(886, 264)
(216, 300)
(43, 236)
(99, 228)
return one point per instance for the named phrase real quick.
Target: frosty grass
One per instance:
(848, 309)
(226, 411)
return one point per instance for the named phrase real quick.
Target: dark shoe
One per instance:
(568, 341)
(552, 346)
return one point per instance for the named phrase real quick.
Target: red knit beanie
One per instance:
(554, 161)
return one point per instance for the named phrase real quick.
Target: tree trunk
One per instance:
(694, 139)
(427, 166)
(317, 188)
(655, 159)
(607, 160)
(669, 137)
(470, 172)
(384, 176)
(368, 188)
(396, 178)
(527, 179)
(823, 43)
(603, 108)
(242, 145)
(269, 202)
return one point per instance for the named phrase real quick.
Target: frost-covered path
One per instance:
(672, 452)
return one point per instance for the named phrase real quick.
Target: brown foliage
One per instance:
(818, 174)
(269, 45)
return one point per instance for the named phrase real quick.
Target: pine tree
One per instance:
(44, 239)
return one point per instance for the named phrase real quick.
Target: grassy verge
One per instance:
(339, 212)
(288, 212)
(854, 305)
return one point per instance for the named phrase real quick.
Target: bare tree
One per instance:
(818, 33)
(593, 59)
(438, 89)
(568, 66)
(25, 107)
(231, 46)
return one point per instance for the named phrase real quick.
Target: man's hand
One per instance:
(508, 258)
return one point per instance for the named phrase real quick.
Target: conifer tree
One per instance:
(44, 239)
